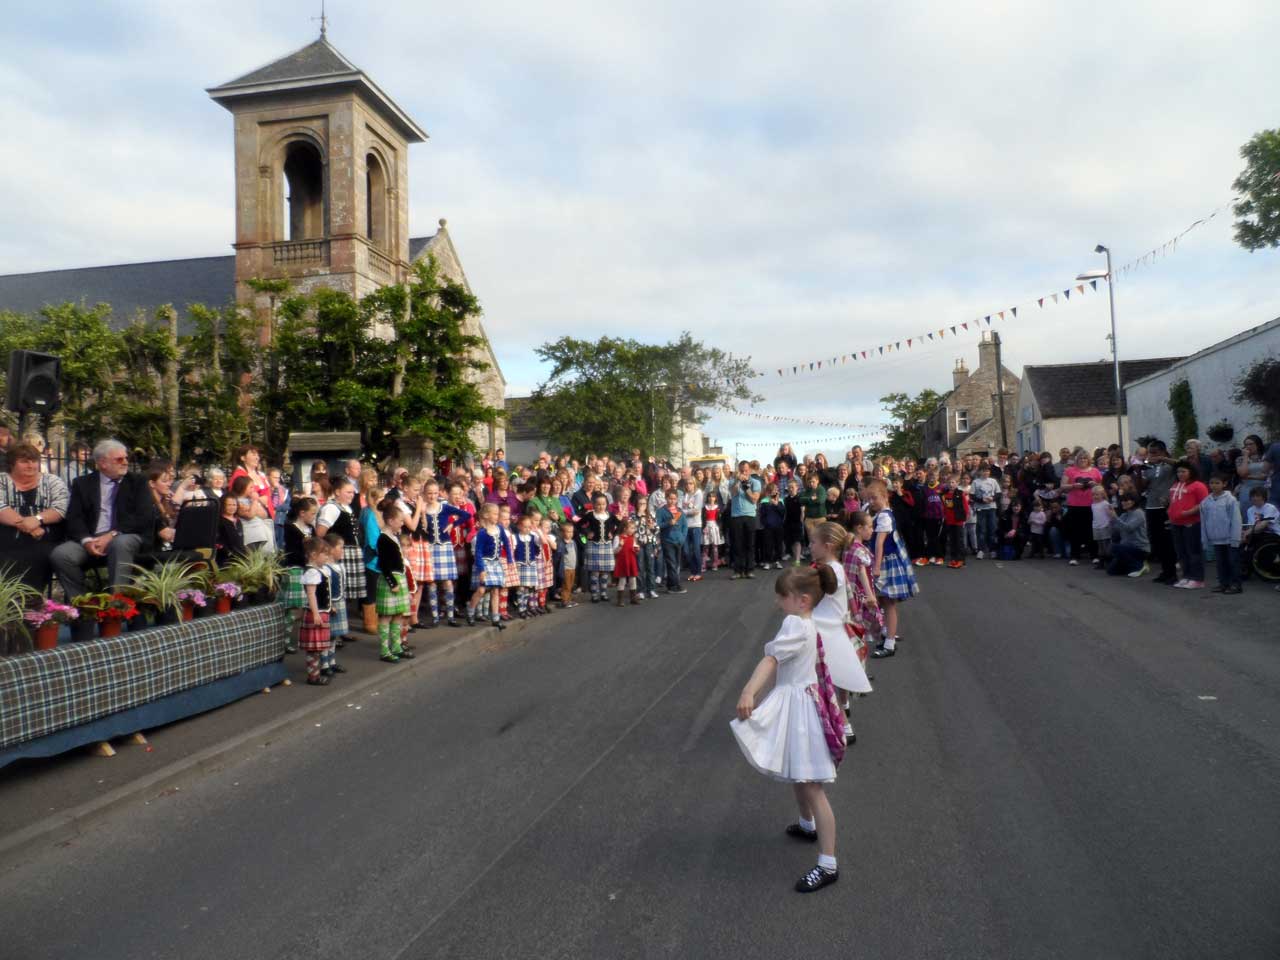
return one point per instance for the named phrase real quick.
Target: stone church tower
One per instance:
(322, 174)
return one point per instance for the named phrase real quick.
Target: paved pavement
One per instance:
(1057, 765)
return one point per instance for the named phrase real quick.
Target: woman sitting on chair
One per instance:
(32, 508)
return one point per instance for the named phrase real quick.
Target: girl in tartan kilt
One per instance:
(488, 576)
(598, 528)
(890, 566)
(313, 636)
(436, 528)
(417, 552)
(511, 573)
(462, 533)
(339, 626)
(392, 597)
(336, 516)
(527, 552)
(546, 568)
(298, 527)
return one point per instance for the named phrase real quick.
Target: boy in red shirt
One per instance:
(955, 510)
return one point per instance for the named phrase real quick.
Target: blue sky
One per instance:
(789, 183)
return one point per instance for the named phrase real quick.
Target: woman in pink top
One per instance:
(1077, 482)
(1184, 521)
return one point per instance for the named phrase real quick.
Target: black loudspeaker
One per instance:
(35, 382)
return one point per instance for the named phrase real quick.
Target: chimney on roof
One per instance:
(960, 374)
(987, 353)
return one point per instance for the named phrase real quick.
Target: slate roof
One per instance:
(133, 287)
(317, 59)
(521, 424)
(1086, 389)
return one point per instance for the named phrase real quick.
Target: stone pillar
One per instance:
(416, 452)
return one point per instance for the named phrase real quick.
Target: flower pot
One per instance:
(47, 636)
(110, 628)
(188, 610)
(168, 618)
(222, 605)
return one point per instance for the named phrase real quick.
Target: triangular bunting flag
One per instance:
(988, 319)
(819, 364)
(1000, 314)
(931, 336)
(908, 343)
(1094, 284)
(942, 334)
(1055, 297)
(1041, 302)
(1067, 294)
(898, 345)
(965, 325)
(1015, 312)
(882, 351)
(811, 366)
(864, 354)
(779, 373)
(1079, 288)
(793, 369)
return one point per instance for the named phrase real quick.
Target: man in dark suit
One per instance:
(111, 517)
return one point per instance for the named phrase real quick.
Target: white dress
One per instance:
(784, 738)
(838, 651)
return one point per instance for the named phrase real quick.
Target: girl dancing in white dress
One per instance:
(795, 734)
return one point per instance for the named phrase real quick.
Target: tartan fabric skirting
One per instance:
(418, 559)
(292, 592)
(444, 562)
(393, 604)
(527, 574)
(493, 574)
(460, 556)
(897, 581)
(353, 571)
(313, 635)
(50, 690)
(510, 573)
(546, 574)
(339, 620)
(600, 558)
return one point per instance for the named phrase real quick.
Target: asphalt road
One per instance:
(1057, 765)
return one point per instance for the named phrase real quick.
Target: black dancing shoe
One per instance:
(337, 668)
(881, 652)
(320, 681)
(453, 622)
(405, 653)
(800, 833)
(816, 879)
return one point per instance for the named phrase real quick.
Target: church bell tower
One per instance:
(322, 175)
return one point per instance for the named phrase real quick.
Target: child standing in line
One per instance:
(890, 567)
(772, 517)
(392, 598)
(567, 561)
(671, 525)
(339, 625)
(527, 551)
(599, 527)
(313, 636)
(712, 538)
(793, 522)
(435, 527)
(1037, 519)
(299, 527)
(626, 569)
(1103, 514)
(971, 521)
(863, 605)
(932, 521)
(647, 537)
(1220, 525)
(509, 564)
(489, 574)
(794, 734)
(955, 514)
(546, 563)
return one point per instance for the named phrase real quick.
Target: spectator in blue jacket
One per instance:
(673, 527)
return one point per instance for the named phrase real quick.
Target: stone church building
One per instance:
(968, 418)
(322, 199)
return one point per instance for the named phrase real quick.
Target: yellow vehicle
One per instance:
(706, 463)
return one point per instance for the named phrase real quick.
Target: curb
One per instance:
(70, 824)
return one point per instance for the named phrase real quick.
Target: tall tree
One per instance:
(613, 393)
(904, 433)
(1258, 209)
(217, 358)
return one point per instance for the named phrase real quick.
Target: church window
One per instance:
(962, 421)
(375, 181)
(303, 192)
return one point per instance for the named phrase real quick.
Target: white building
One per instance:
(1211, 374)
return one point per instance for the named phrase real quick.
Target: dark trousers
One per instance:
(1125, 558)
(1037, 544)
(772, 538)
(671, 561)
(1162, 543)
(932, 538)
(1186, 542)
(743, 538)
(955, 541)
(1227, 560)
(1079, 524)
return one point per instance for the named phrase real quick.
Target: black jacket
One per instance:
(135, 508)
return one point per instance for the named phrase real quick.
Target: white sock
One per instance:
(890, 642)
(809, 825)
(827, 863)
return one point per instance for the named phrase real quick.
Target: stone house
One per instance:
(1073, 404)
(968, 418)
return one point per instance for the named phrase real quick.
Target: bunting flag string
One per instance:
(776, 418)
(1056, 297)
(802, 444)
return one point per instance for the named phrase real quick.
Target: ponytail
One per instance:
(835, 536)
(814, 583)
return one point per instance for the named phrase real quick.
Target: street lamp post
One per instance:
(1115, 351)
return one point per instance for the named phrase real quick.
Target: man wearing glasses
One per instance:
(110, 516)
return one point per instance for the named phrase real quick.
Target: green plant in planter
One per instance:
(256, 570)
(16, 598)
(159, 587)
(1221, 432)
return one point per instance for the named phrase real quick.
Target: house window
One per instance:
(962, 421)
(1026, 414)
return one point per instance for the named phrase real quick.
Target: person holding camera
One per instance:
(1077, 484)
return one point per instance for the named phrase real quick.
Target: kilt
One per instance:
(510, 574)
(339, 622)
(392, 604)
(353, 571)
(528, 574)
(444, 562)
(418, 559)
(493, 574)
(546, 573)
(599, 558)
(312, 636)
(897, 581)
(294, 593)
(460, 556)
